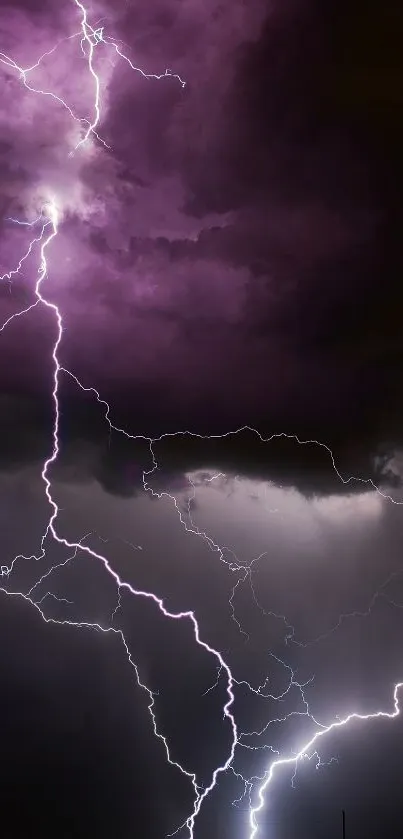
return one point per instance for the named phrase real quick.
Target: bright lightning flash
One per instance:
(49, 220)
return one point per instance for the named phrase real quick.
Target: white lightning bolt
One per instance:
(91, 38)
(307, 749)
(49, 232)
(51, 217)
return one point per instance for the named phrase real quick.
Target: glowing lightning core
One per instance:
(307, 749)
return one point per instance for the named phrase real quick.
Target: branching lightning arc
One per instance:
(46, 228)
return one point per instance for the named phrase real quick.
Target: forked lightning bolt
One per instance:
(50, 219)
(308, 750)
(92, 38)
(49, 231)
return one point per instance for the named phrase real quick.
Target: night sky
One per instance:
(201, 357)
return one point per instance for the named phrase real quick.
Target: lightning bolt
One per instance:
(306, 752)
(92, 38)
(50, 217)
(49, 232)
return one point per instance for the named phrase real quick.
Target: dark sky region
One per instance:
(227, 254)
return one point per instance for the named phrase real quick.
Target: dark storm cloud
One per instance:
(242, 263)
(232, 259)
(301, 117)
(88, 451)
(313, 225)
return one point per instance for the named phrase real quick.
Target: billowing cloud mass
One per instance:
(231, 256)
(228, 269)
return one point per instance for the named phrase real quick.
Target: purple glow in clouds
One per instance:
(136, 280)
